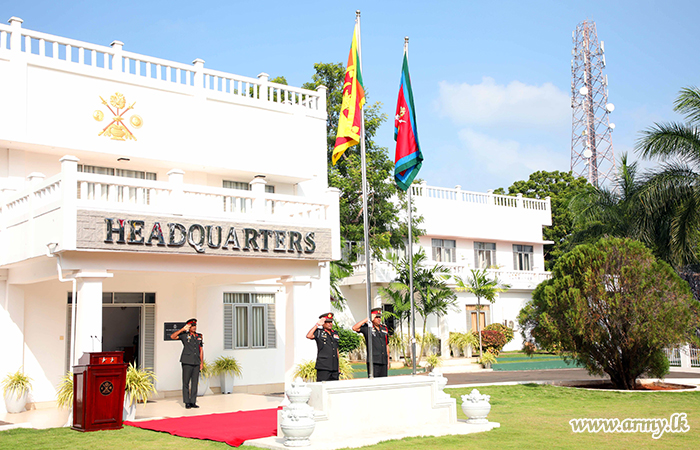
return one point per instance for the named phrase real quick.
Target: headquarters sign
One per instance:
(153, 234)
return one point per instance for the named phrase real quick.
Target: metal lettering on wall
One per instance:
(108, 231)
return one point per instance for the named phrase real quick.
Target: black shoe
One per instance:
(188, 405)
(194, 405)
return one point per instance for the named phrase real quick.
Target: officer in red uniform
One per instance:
(380, 342)
(327, 360)
(191, 360)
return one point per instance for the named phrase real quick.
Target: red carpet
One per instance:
(233, 428)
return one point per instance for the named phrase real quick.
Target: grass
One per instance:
(531, 416)
(520, 361)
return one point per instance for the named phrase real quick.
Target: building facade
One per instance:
(463, 231)
(136, 193)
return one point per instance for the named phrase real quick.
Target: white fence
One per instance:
(685, 357)
(458, 195)
(73, 55)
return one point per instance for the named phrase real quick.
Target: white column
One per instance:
(306, 299)
(117, 47)
(69, 201)
(176, 178)
(198, 77)
(322, 94)
(12, 326)
(257, 187)
(333, 219)
(444, 330)
(16, 98)
(264, 93)
(88, 321)
(685, 357)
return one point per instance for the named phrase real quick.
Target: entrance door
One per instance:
(125, 315)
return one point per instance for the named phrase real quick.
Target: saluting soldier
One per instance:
(327, 339)
(380, 342)
(191, 360)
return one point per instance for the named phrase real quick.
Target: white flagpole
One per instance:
(410, 257)
(365, 217)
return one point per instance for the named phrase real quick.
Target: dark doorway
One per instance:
(121, 331)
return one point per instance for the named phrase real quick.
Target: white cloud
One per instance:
(515, 105)
(509, 159)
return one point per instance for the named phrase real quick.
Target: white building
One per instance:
(463, 231)
(165, 191)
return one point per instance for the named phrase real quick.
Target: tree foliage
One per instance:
(613, 307)
(560, 187)
(674, 188)
(386, 227)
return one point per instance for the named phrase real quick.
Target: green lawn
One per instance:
(531, 416)
(520, 361)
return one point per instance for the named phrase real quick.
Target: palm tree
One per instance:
(675, 187)
(484, 287)
(432, 295)
(397, 294)
(338, 271)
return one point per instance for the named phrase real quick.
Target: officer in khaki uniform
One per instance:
(327, 360)
(191, 360)
(380, 342)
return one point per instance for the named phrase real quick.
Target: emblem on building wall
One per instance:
(117, 129)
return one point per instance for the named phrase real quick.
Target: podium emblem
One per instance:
(106, 388)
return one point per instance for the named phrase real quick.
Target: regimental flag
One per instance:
(409, 158)
(349, 122)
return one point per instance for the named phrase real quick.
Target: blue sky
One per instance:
(491, 80)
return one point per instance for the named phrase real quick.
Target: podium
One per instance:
(99, 382)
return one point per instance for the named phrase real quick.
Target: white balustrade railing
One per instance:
(458, 195)
(694, 357)
(42, 46)
(674, 356)
(113, 193)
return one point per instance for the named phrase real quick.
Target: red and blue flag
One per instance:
(409, 158)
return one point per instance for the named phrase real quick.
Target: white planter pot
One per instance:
(456, 351)
(476, 407)
(226, 383)
(202, 386)
(129, 411)
(15, 403)
(469, 351)
(297, 420)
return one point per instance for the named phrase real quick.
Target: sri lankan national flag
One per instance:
(349, 122)
(408, 159)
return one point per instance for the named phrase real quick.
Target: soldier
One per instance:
(191, 360)
(380, 342)
(327, 368)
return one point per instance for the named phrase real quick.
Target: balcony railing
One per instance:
(98, 60)
(480, 198)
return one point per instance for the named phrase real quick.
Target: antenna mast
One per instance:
(592, 154)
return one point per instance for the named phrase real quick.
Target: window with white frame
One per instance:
(522, 257)
(444, 250)
(484, 255)
(249, 320)
(122, 193)
(240, 204)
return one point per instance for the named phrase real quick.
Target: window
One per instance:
(484, 255)
(472, 314)
(249, 320)
(444, 250)
(522, 257)
(241, 204)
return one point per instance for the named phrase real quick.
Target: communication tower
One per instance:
(592, 154)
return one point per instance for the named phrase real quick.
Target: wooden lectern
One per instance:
(99, 382)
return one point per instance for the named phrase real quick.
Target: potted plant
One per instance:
(306, 370)
(16, 388)
(432, 361)
(226, 367)
(140, 384)
(204, 375)
(487, 358)
(64, 395)
(455, 342)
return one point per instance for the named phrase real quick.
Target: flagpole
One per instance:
(410, 257)
(365, 216)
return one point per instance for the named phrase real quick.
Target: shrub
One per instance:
(492, 341)
(507, 332)
(349, 340)
(613, 307)
(306, 370)
(433, 361)
(529, 348)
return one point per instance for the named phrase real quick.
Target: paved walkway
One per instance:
(533, 376)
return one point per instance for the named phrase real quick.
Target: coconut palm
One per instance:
(675, 187)
(482, 286)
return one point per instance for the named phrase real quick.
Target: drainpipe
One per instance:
(51, 252)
